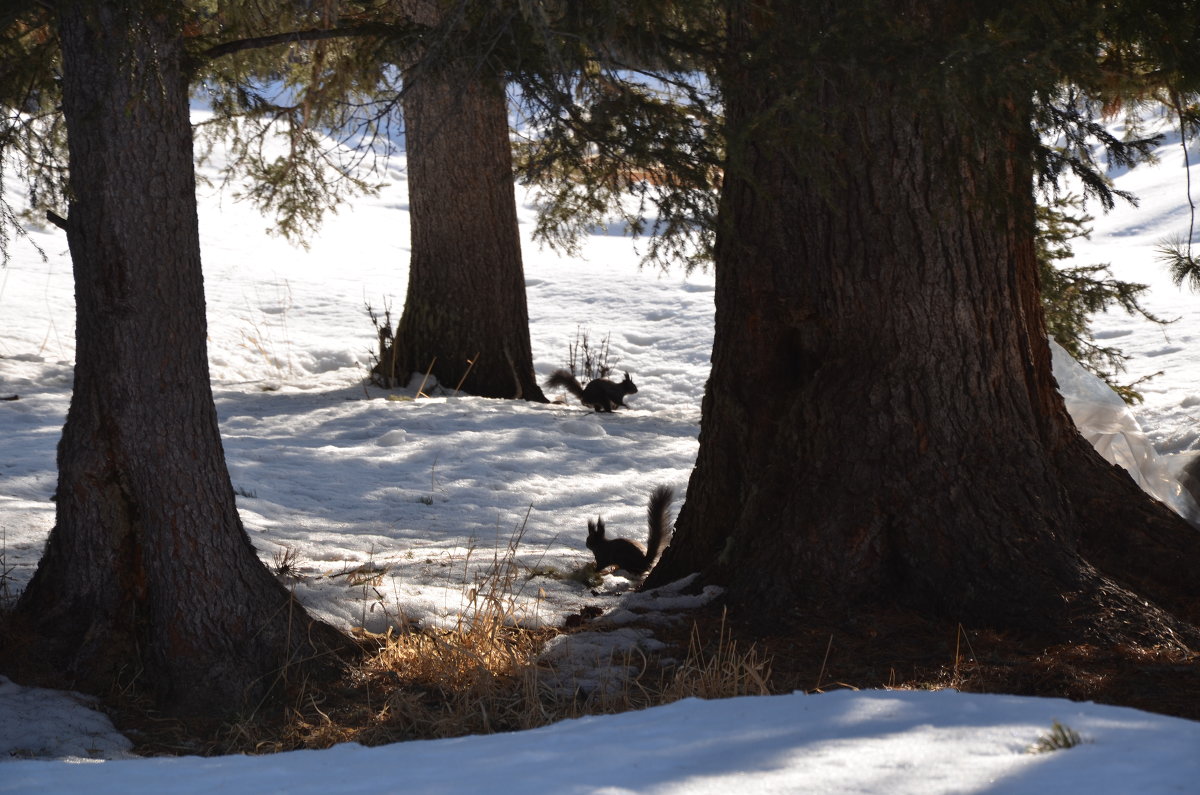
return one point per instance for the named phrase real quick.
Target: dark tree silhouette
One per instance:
(148, 575)
(465, 309)
(881, 425)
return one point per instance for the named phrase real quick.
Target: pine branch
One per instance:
(1184, 267)
(313, 34)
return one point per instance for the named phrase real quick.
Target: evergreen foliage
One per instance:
(625, 122)
(1177, 254)
(248, 60)
(621, 96)
(332, 79)
(645, 156)
(622, 104)
(1184, 267)
(1071, 295)
(32, 132)
(619, 106)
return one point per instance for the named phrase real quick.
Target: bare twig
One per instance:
(421, 388)
(470, 364)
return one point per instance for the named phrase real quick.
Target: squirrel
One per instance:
(600, 393)
(630, 555)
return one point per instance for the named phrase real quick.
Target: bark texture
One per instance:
(148, 574)
(466, 284)
(881, 424)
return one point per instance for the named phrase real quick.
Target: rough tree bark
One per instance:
(881, 424)
(148, 574)
(466, 284)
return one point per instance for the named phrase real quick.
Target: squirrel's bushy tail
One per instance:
(564, 379)
(658, 519)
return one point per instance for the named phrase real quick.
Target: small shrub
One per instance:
(587, 362)
(383, 362)
(1058, 738)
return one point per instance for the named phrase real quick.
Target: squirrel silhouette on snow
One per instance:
(599, 394)
(630, 555)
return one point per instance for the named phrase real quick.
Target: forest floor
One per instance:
(898, 649)
(478, 692)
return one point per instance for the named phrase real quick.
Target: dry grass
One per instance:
(485, 674)
(259, 335)
(1059, 738)
(725, 671)
(485, 677)
(482, 675)
(896, 648)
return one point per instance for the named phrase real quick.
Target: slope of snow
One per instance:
(874, 741)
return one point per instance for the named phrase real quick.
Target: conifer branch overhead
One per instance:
(1184, 268)
(296, 36)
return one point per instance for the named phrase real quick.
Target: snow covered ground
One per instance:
(892, 742)
(420, 493)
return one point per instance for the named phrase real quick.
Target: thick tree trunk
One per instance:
(466, 284)
(881, 424)
(148, 575)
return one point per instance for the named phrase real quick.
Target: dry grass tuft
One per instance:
(487, 674)
(476, 679)
(725, 672)
(1059, 738)
(480, 676)
(485, 677)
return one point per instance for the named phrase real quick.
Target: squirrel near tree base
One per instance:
(599, 394)
(629, 555)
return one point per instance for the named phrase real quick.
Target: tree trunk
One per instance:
(466, 285)
(148, 575)
(881, 424)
